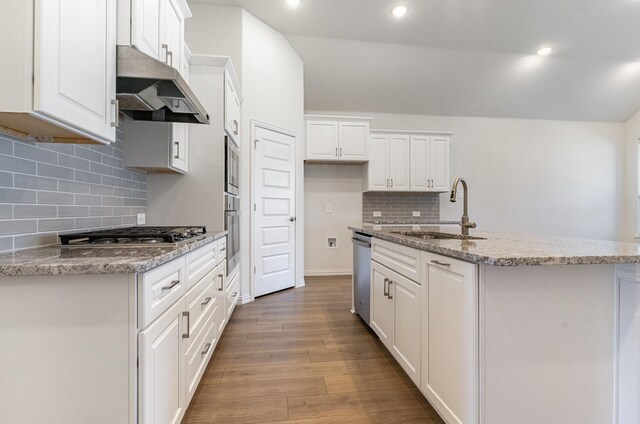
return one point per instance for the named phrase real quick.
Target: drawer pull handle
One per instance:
(221, 282)
(440, 263)
(385, 287)
(206, 302)
(234, 294)
(223, 249)
(389, 295)
(170, 286)
(188, 333)
(207, 348)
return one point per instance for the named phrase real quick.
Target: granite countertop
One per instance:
(504, 249)
(58, 260)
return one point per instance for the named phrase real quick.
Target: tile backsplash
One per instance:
(51, 188)
(400, 206)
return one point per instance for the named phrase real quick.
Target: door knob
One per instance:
(293, 218)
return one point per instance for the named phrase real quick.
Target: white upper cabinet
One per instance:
(399, 172)
(232, 107)
(430, 163)
(378, 166)
(337, 139)
(413, 161)
(58, 85)
(155, 27)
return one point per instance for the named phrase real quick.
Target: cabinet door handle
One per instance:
(177, 155)
(441, 263)
(336, 152)
(235, 124)
(188, 333)
(206, 301)
(223, 249)
(221, 282)
(341, 152)
(234, 294)
(116, 113)
(165, 47)
(207, 347)
(389, 295)
(170, 55)
(391, 182)
(385, 287)
(170, 286)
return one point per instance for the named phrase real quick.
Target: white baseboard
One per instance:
(327, 272)
(245, 299)
(300, 284)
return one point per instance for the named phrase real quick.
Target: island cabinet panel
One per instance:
(449, 338)
(406, 325)
(548, 344)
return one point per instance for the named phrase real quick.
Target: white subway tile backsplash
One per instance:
(50, 188)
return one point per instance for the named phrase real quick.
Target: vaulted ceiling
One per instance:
(468, 58)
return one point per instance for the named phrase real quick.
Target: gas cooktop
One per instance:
(133, 236)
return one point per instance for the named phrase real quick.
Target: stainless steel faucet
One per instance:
(464, 223)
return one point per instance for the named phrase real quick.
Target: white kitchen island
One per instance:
(512, 328)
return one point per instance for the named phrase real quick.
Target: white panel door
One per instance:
(162, 368)
(381, 304)
(378, 166)
(322, 140)
(145, 26)
(407, 323)
(449, 339)
(420, 163)
(353, 137)
(274, 211)
(399, 173)
(439, 163)
(75, 65)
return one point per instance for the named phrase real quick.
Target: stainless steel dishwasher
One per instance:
(362, 275)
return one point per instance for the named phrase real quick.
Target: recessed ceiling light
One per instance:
(399, 11)
(544, 51)
(293, 3)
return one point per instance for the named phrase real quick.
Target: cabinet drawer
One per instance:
(401, 259)
(200, 302)
(160, 288)
(200, 262)
(198, 354)
(233, 294)
(222, 249)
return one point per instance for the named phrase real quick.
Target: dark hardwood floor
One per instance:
(300, 356)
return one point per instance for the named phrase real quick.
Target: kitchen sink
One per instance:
(434, 235)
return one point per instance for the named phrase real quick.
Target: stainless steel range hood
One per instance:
(150, 90)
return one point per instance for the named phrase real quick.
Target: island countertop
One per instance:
(506, 249)
(59, 260)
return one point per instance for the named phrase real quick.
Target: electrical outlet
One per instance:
(416, 213)
(377, 214)
(329, 209)
(141, 218)
(332, 242)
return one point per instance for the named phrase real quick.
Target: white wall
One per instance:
(341, 187)
(273, 90)
(271, 76)
(532, 176)
(631, 138)
(215, 30)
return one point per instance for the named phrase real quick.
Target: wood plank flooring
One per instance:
(300, 357)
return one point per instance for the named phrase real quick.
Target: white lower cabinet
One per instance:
(450, 338)
(161, 368)
(395, 317)
(176, 343)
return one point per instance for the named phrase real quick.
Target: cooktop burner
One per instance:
(133, 236)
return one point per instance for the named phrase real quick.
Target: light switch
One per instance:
(332, 242)
(329, 209)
